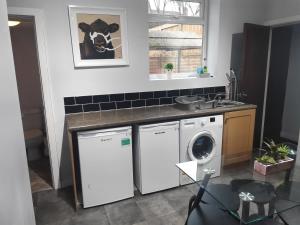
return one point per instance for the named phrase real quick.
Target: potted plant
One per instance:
(274, 158)
(169, 68)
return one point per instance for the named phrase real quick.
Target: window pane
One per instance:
(175, 7)
(179, 44)
(159, 58)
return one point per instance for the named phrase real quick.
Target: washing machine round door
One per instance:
(202, 147)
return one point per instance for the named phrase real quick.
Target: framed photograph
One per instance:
(99, 36)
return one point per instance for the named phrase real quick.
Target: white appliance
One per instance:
(201, 140)
(105, 158)
(156, 153)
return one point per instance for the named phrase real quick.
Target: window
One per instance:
(176, 35)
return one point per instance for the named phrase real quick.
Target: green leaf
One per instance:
(273, 153)
(265, 159)
(169, 66)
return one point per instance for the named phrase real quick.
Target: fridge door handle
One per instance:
(160, 126)
(187, 124)
(101, 134)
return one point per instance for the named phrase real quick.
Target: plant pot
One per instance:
(169, 74)
(282, 165)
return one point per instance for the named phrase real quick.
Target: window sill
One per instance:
(178, 76)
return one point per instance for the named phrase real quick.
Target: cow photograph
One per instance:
(97, 38)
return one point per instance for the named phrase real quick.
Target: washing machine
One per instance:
(201, 140)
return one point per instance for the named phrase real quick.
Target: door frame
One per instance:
(273, 23)
(45, 80)
(283, 21)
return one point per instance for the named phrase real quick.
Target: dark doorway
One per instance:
(282, 121)
(24, 45)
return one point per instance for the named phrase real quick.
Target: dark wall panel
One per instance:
(279, 65)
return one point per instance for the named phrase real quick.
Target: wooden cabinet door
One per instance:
(238, 136)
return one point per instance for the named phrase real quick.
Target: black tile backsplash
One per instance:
(69, 101)
(100, 98)
(208, 90)
(91, 107)
(84, 99)
(152, 101)
(146, 95)
(117, 97)
(198, 91)
(132, 96)
(160, 94)
(107, 106)
(166, 101)
(138, 103)
(173, 93)
(123, 105)
(221, 89)
(73, 109)
(80, 104)
(185, 92)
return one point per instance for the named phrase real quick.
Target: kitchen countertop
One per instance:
(124, 117)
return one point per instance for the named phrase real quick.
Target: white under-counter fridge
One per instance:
(106, 169)
(156, 153)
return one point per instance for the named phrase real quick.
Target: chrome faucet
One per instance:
(215, 100)
(218, 96)
(232, 85)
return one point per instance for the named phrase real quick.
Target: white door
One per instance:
(106, 166)
(159, 148)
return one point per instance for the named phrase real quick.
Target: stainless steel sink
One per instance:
(189, 102)
(197, 103)
(228, 103)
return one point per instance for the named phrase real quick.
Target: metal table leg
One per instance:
(245, 198)
(196, 199)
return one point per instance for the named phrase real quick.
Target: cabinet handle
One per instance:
(162, 132)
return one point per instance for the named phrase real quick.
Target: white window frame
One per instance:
(193, 20)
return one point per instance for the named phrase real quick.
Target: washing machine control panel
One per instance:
(202, 122)
(205, 121)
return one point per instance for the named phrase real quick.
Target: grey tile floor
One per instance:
(166, 207)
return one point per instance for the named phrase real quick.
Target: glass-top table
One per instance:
(249, 199)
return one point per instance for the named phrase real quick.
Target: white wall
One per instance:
(15, 195)
(213, 34)
(228, 17)
(278, 9)
(291, 118)
(233, 15)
